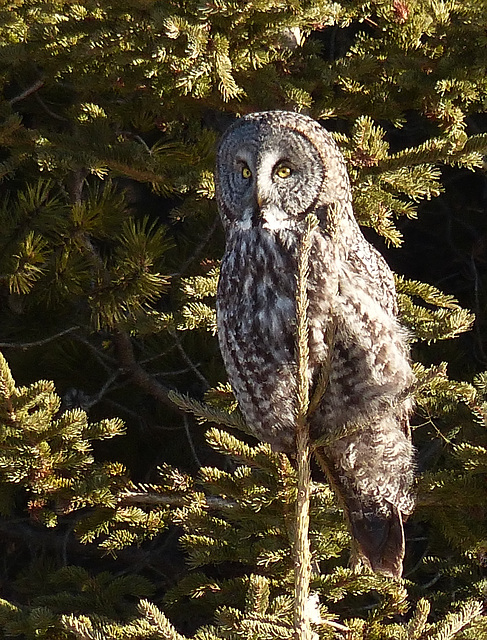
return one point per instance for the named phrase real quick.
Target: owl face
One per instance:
(272, 170)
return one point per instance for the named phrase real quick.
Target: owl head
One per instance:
(275, 167)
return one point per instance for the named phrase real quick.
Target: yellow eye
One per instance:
(283, 171)
(246, 173)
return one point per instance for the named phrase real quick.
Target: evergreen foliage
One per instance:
(46, 461)
(109, 249)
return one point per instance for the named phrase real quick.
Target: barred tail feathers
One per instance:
(376, 524)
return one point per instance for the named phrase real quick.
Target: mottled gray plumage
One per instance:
(274, 168)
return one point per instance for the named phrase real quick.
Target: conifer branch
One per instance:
(142, 494)
(138, 374)
(302, 554)
(140, 175)
(206, 412)
(29, 91)
(159, 623)
(66, 254)
(452, 623)
(37, 343)
(417, 624)
(49, 111)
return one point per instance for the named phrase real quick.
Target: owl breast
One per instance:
(256, 328)
(255, 312)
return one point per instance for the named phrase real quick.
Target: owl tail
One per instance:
(379, 538)
(376, 527)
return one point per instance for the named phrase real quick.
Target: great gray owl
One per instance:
(273, 168)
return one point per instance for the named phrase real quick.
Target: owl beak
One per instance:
(258, 209)
(256, 218)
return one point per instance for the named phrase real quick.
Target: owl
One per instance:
(273, 169)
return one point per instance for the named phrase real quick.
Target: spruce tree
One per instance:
(110, 242)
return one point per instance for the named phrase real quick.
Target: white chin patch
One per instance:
(272, 219)
(275, 219)
(276, 225)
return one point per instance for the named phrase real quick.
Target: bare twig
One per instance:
(190, 440)
(188, 361)
(138, 374)
(50, 112)
(37, 343)
(152, 498)
(161, 354)
(105, 361)
(95, 399)
(149, 494)
(199, 249)
(175, 372)
(29, 91)
(126, 411)
(336, 625)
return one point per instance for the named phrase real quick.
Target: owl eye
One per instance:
(283, 171)
(246, 173)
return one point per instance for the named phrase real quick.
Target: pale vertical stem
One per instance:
(302, 553)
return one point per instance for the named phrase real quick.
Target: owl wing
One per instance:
(371, 267)
(371, 468)
(377, 536)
